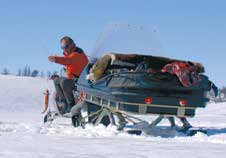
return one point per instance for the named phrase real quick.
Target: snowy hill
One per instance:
(23, 135)
(22, 93)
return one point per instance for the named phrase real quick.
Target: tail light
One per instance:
(182, 65)
(81, 96)
(148, 100)
(183, 102)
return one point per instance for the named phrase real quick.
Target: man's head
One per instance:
(67, 44)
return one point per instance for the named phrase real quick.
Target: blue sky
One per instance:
(194, 29)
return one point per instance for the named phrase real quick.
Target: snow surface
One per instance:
(23, 135)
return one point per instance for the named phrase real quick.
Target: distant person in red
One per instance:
(74, 60)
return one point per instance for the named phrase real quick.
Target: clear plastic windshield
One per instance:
(125, 38)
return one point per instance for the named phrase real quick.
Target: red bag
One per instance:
(186, 73)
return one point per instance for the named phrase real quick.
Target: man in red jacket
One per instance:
(74, 60)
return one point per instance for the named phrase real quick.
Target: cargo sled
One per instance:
(125, 89)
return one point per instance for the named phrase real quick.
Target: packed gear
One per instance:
(185, 71)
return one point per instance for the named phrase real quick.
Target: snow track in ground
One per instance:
(23, 135)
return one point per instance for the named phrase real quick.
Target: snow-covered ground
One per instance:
(23, 135)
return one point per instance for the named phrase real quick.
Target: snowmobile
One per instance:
(123, 92)
(128, 89)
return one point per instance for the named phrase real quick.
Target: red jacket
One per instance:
(74, 62)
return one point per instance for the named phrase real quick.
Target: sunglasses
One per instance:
(66, 46)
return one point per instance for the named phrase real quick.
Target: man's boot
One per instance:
(64, 106)
(77, 120)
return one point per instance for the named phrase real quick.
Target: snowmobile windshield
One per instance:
(124, 38)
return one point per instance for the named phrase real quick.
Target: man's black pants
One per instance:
(64, 88)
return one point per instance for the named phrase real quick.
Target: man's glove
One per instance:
(52, 58)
